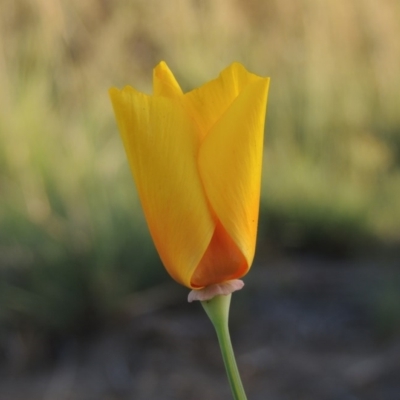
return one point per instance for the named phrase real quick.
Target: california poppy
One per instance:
(196, 159)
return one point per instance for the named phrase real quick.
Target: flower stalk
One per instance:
(217, 310)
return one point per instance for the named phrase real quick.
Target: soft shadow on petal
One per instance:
(219, 289)
(162, 145)
(230, 161)
(221, 262)
(208, 103)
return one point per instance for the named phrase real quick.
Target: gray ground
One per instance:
(302, 329)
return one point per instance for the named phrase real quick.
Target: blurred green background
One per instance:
(73, 241)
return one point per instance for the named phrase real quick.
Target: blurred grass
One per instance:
(73, 242)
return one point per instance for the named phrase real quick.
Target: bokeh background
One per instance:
(86, 308)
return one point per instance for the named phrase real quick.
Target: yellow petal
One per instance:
(207, 104)
(230, 165)
(162, 146)
(164, 82)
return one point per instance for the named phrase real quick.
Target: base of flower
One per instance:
(208, 292)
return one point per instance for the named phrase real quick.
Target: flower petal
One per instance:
(162, 146)
(164, 82)
(222, 261)
(208, 103)
(230, 160)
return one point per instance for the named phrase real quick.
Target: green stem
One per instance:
(217, 310)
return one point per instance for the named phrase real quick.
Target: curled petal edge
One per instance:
(217, 289)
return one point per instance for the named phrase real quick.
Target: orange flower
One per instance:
(196, 160)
